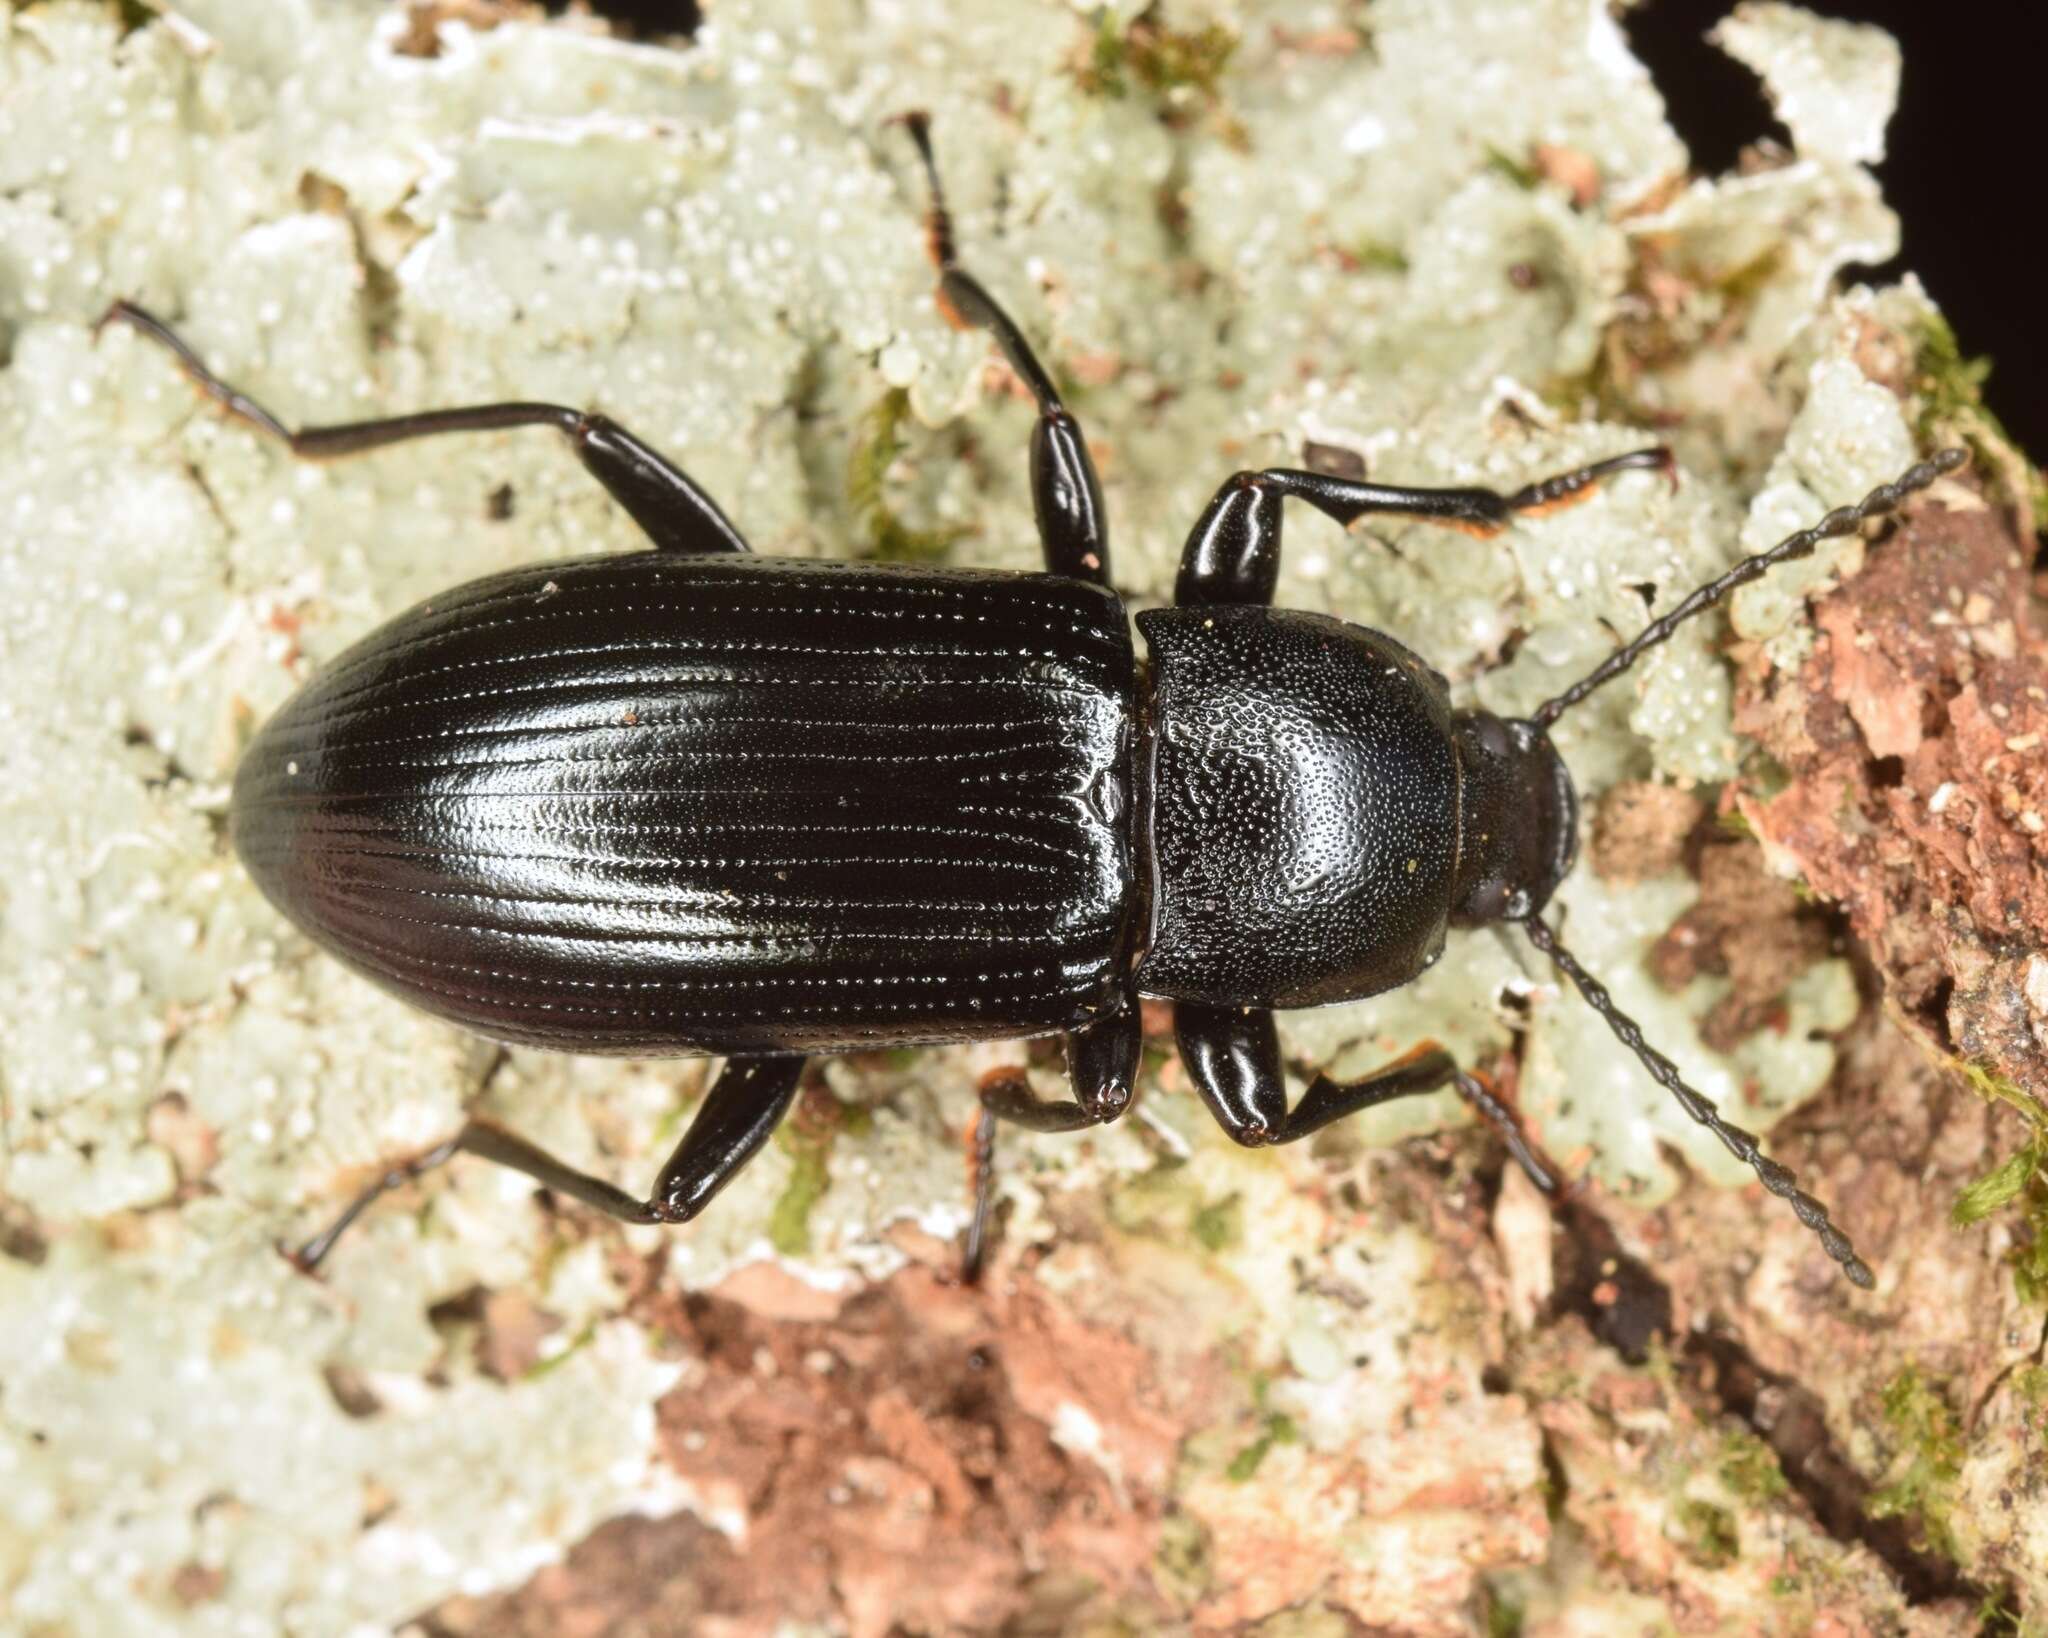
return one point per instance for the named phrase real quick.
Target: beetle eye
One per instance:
(1487, 903)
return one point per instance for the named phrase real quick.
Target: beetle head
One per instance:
(1518, 827)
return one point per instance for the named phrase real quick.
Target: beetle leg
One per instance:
(309, 1256)
(1232, 1055)
(1424, 1070)
(1102, 1067)
(676, 515)
(738, 1115)
(1102, 1062)
(982, 1157)
(745, 1104)
(1008, 1096)
(1065, 494)
(1233, 553)
(489, 1142)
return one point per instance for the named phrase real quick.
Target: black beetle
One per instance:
(695, 801)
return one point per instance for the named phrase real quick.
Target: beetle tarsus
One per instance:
(981, 1162)
(1491, 1108)
(308, 1257)
(1233, 553)
(1546, 494)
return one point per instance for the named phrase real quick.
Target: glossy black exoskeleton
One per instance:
(695, 801)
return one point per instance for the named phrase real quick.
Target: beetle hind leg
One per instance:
(1066, 496)
(744, 1106)
(1102, 1068)
(665, 501)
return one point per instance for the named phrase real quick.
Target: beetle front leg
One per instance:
(1427, 1069)
(1066, 496)
(1233, 553)
(674, 513)
(1232, 1055)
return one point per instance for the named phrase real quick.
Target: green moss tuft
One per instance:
(1219, 1225)
(875, 450)
(554, 1362)
(1950, 387)
(1279, 1430)
(807, 1138)
(1706, 1533)
(1377, 256)
(1993, 1087)
(1151, 57)
(1927, 1463)
(1751, 1469)
(1505, 1613)
(1999, 1188)
(2021, 1179)
(2030, 1261)
(1520, 173)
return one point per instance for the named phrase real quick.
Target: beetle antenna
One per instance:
(1742, 1145)
(1885, 498)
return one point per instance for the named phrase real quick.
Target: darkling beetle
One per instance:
(695, 801)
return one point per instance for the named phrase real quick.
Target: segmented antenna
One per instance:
(1886, 497)
(1742, 1145)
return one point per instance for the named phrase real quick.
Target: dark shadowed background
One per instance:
(1963, 166)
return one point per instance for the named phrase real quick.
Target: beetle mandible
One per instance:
(695, 801)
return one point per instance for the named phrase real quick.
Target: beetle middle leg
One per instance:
(1065, 493)
(1233, 553)
(1232, 1055)
(738, 1115)
(1102, 1068)
(675, 514)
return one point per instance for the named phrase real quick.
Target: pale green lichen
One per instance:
(721, 247)
(1834, 84)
